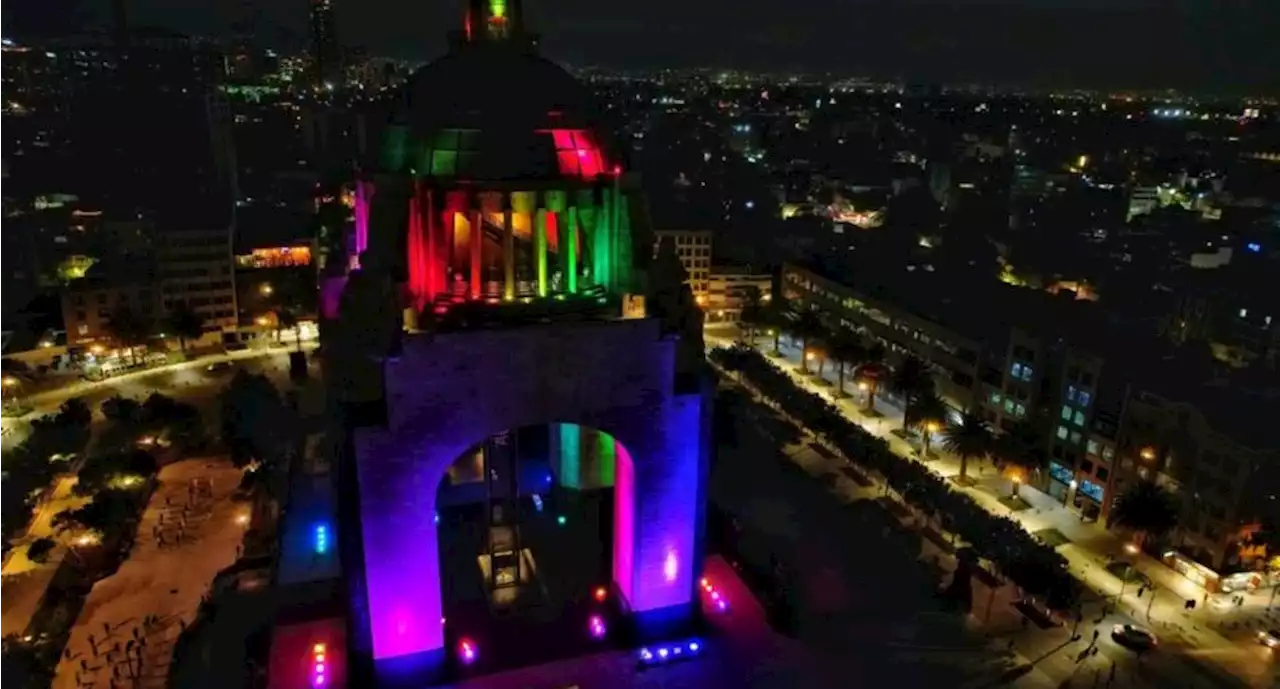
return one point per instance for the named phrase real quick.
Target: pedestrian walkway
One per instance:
(1088, 546)
(131, 620)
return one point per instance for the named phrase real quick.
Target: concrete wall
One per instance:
(447, 392)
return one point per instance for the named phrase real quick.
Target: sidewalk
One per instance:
(1086, 546)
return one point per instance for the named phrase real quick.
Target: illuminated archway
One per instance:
(445, 391)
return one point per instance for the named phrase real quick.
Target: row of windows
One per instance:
(1078, 396)
(210, 286)
(1021, 371)
(1071, 415)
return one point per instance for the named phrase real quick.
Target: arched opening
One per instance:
(531, 529)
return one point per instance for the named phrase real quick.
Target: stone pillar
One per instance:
(477, 245)
(508, 256)
(570, 250)
(540, 249)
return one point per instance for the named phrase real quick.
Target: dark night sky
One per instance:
(1219, 45)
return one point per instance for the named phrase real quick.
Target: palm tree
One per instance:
(969, 438)
(927, 412)
(871, 371)
(806, 325)
(129, 329)
(1147, 509)
(911, 379)
(14, 368)
(776, 318)
(752, 315)
(1020, 451)
(847, 351)
(185, 324)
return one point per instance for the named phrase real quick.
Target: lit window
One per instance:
(1008, 405)
(1066, 413)
(1026, 373)
(1092, 447)
(576, 153)
(995, 398)
(1108, 452)
(1062, 432)
(1071, 393)
(1079, 419)
(452, 152)
(1020, 411)
(1075, 437)
(1083, 399)
(1017, 370)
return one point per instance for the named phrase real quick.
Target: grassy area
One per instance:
(1014, 503)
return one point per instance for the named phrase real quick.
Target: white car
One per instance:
(1269, 638)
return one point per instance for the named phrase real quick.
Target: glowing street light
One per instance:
(1148, 453)
(265, 289)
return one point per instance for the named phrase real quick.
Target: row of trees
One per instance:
(1145, 508)
(28, 467)
(969, 438)
(132, 330)
(1035, 567)
(158, 417)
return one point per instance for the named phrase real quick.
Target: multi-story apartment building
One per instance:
(693, 247)
(89, 303)
(195, 267)
(1215, 454)
(727, 290)
(1090, 388)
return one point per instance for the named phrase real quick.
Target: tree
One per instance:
(106, 513)
(969, 438)
(1147, 509)
(871, 372)
(775, 317)
(14, 368)
(121, 410)
(129, 329)
(753, 315)
(910, 380)
(847, 351)
(39, 549)
(253, 419)
(287, 319)
(927, 412)
(1020, 451)
(75, 413)
(100, 471)
(28, 664)
(185, 324)
(806, 325)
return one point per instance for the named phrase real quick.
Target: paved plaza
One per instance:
(126, 631)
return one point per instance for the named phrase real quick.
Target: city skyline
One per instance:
(1065, 44)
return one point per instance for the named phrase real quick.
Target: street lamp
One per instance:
(1148, 453)
(266, 289)
(930, 427)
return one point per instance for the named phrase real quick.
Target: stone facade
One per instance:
(447, 392)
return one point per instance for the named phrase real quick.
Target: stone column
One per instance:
(477, 246)
(508, 256)
(540, 249)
